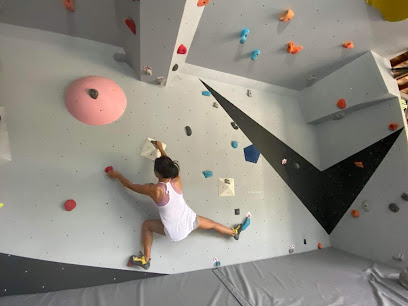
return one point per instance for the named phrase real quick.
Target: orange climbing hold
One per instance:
(355, 213)
(393, 126)
(70, 5)
(320, 246)
(182, 49)
(131, 25)
(286, 15)
(348, 45)
(359, 164)
(203, 2)
(341, 104)
(292, 49)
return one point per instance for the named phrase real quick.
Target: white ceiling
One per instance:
(320, 26)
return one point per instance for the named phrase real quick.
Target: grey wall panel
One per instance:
(93, 19)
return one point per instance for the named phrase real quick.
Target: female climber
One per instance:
(178, 220)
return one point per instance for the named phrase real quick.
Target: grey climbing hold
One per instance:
(188, 131)
(93, 93)
(365, 206)
(339, 115)
(404, 196)
(234, 125)
(207, 174)
(234, 144)
(296, 165)
(175, 67)
(237, 211)
(249, 93)
(161, 81)
(394, 207)
(215, 105)
(291, 251)
(399, 257)
(227, 181)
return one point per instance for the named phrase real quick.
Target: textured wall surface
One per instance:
(320, 26)
(56, 157)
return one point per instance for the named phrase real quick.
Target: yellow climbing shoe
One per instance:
(139, 261)
(237, 229)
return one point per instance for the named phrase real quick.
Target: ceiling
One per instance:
(320, 26)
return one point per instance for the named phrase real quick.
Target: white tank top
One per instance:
(177, 217)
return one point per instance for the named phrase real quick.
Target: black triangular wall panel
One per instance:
(326, 194)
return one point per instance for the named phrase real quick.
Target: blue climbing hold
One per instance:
(246, 223)
(251, 154)
(234, 144)
(255, 54)
(217, 264)
(244, 35)
(207, 174)
(206, 93)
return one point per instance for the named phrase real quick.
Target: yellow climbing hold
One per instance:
(392, 10)
(1, 205)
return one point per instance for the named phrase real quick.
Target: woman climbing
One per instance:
(178, 220)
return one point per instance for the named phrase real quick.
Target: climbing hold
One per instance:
(148, 70)
(320, 246)
(296, 165)
(255, 54)
(217, 262)
(348, 45)
(206, 93)
(339, 115)
(1, 205)
(93, 93)
(393, 207)
(234, 125)
(130, 24)
(365, 206)
(175, 67)
(70, 5)
(404, 196)
(226, 187)
(304, 241)
(286, 15)
(355, 213)
(182, 49)
(251, 154)
(161, 81)
(249, 93)
(108, 169)
(244, 35)
(150, 150)
(70, 205)
(188, 131)
(237, 211)
(292, 249)
(203, 2)
(393, 126)
(284, 161)
(341, 103)
(359, 164)
(392, 10)
(292, 49)
(399, 257)
(207, 174)
(215, 104)
(234, 144)
(246, 223)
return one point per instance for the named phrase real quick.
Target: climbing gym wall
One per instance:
(57, 158)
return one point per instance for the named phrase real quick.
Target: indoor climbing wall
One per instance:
(56, 158)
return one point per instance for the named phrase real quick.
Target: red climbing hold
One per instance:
(203, 2)
(131, 25)
(393, 126)
(108, 169)
(69, 5)
(182, 49)
(355, 213)
(348, 45)
(359, 164)
(320, 246)
(70, 205)
(341, 104)
(292, 49)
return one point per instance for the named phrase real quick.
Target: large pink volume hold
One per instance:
(95, 100)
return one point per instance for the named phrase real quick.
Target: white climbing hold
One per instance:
(248, 214)
(150, 151)
(215, 105)
(284, 161)
(161, 81)
(399, 257)
(249, 93)
(148, 70)
(226, 187)
(365, 206)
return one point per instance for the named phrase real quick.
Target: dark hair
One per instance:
(166, 167)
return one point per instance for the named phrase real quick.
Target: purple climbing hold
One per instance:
(251, 154)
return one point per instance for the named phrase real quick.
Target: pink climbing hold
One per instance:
(182, 49)
(70, 205)
(108, 169)
(69, 5)
(131, 25)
